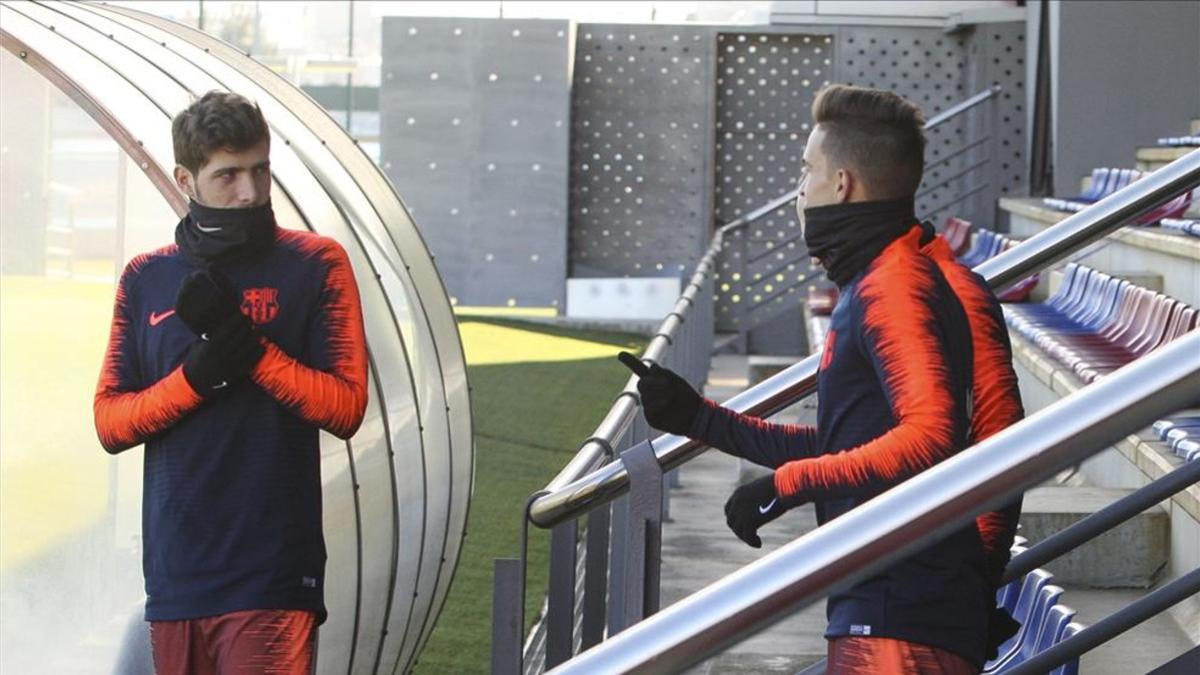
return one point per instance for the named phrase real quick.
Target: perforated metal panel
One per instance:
(474, 135)
(641, 148)
(765, 87)
(927, 67)
(997, 58)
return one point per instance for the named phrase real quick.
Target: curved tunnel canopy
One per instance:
(395, 495)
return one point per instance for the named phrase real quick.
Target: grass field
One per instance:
(538, 391)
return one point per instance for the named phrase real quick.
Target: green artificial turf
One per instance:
(537, 393)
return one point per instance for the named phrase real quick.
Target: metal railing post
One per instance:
(507, 630)
(618, 577)
(595, 577)
(560, 608)
(644, 534)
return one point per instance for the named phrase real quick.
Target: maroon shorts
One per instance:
(885, 656)
(275, 641)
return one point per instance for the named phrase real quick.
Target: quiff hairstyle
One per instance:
(877, 134)
(217, 120)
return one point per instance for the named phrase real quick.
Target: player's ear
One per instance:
(844, 185)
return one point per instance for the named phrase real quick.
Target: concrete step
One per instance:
(1153, 158)
(698, 549)
(1130, 555)
(1139, 650)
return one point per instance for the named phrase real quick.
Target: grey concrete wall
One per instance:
(1124, 73)
(474, 117)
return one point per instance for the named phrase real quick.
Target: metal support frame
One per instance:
(560, 608)
(507, 593)
(595, 578)
(618, 564)
(642, 561)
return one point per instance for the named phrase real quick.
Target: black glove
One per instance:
(751, 506)
(223, 357)
(1001, 627)
(205, 300)
(668, 401)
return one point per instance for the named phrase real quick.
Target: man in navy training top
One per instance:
(230, 349)
(896, 387)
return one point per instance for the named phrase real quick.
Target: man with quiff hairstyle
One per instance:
(896, 389)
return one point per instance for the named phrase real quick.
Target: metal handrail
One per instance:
(1101, 521)
(1111, 626)
(599, 447)
(902, 520)
(608, 482)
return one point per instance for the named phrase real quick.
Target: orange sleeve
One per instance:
(126, 413)
(331, 392)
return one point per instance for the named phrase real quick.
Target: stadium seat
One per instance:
(1070, 667)
(1188, 226)
(1104, 182)
(989, 244)
(1096, 323)
(1027, 638)
(1161, 427)
(1054, 627)
(1023, 611)
(1006, 595)
(957, 233)
(1179, 141)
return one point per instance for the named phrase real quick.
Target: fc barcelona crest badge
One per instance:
(260, 304)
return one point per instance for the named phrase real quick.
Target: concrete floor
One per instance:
(698, 549)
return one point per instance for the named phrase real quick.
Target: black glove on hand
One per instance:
(205, 300)
(751, 506)
(224, 357)
(1001, 626)
(668, 401)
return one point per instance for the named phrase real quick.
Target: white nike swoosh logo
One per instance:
(763, 509)
(221, 386)
(207, 229)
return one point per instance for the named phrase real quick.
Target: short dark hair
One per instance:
(219, 119)
(877, 133)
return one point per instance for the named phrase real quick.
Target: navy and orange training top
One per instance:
(231, 509)
(997, 398)
(894, 392)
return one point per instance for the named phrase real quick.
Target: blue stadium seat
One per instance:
(1031, 629)
(1023, 612)
(1055, 626)
(1096, 323)
(1070, 667)
(1161, 427)
(1189, 450)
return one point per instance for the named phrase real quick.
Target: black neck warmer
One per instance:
(847, 237)
(209, 236)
